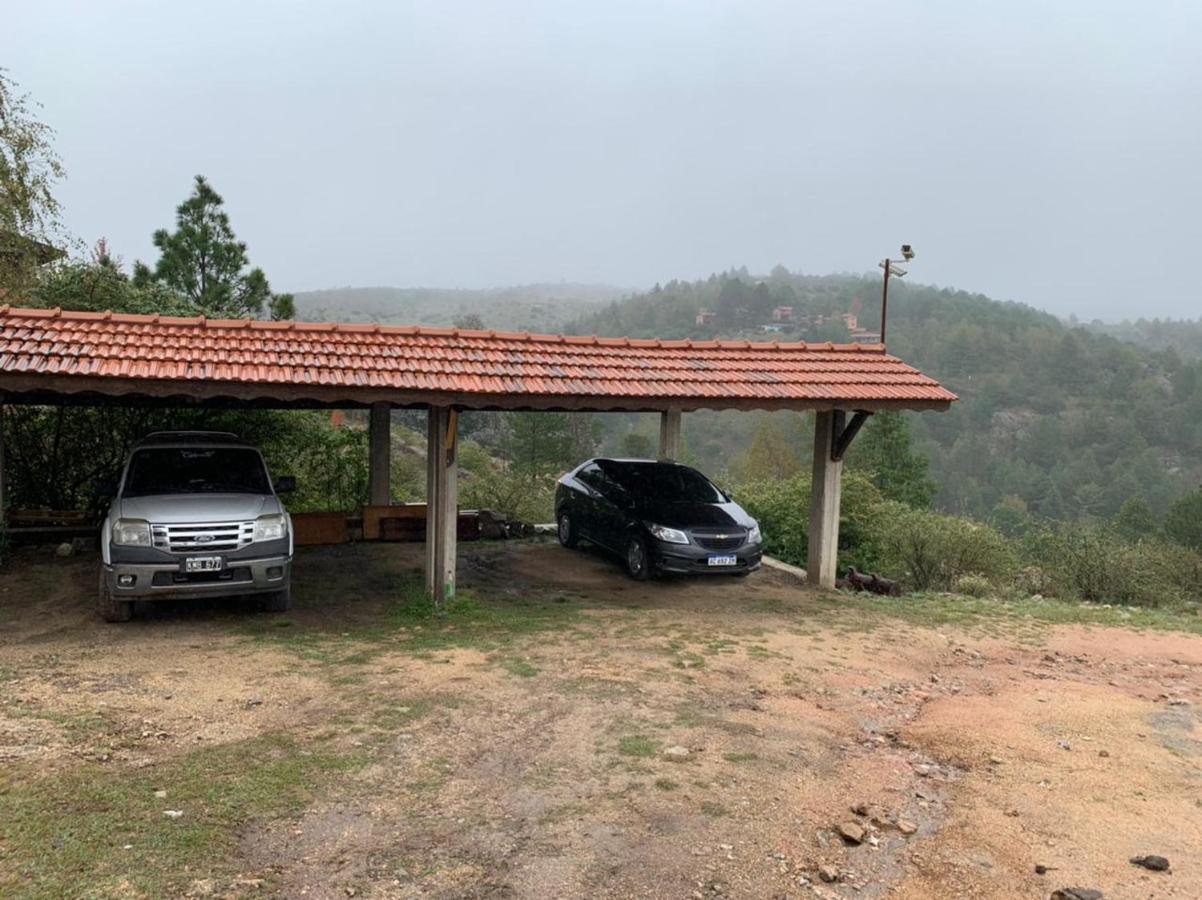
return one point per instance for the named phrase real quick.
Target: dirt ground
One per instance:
(565, 732)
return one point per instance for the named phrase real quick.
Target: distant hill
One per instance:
(532, 307)
(1055, 420)
(1182, 335)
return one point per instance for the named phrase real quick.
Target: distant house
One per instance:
(850, 320)
(705, 317)
(782, 314)
(862, 336)
(775, 329)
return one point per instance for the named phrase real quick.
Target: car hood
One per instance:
(694, 515)
(167, 509)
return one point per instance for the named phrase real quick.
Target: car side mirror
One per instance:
(285, 484)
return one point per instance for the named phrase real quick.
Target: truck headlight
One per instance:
(668, 535)
(753, 534)
(131, 533)
(270, 528)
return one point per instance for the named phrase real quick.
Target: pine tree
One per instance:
(204, 261)
(886, 451)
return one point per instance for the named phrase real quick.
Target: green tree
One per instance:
(101, 285)
(469, 322)
(771, 455)
(205, 262)
(637, 445)
(1183, 523)
(538, 444)
(1135, 521)
(885, 450)
(29, 169)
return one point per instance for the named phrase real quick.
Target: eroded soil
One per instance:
(517, 748)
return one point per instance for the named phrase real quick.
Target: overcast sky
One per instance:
(1040, 151)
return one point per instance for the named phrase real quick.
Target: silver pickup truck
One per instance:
(195, 515)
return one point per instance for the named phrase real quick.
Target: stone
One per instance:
(161, 794)
(829, 874)
(676, 752)
(1105, 754)
(995, 760)
(851, 832)
(1154, 863)
(65, 549)
(906, 827)
(173, 813)
(923, 770)
(493, 526)
(1076, 893)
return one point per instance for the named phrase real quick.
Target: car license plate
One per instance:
(202, 564)
(723, 561)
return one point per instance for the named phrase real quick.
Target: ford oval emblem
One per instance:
(203, 538)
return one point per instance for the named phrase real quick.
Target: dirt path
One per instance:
(571, 733)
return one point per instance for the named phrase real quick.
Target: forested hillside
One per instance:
(533, 307)
(1182, 335)
(1055, 421)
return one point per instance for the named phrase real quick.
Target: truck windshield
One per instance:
(196, 470)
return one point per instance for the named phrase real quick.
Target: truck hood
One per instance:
(168, 509)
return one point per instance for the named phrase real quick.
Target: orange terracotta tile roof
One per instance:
(49, 350)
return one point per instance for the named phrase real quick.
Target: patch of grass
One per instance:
(637, 745)
(666, 784)
(70, 829)
(714, 810)
(739, 757)
(519, 667)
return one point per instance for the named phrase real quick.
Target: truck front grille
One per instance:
(202, 537)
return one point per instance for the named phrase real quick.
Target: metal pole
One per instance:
(885, 300)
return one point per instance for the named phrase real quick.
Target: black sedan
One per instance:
(657, 516)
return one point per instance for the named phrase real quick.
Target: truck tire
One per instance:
(278, 601)
(110, 608)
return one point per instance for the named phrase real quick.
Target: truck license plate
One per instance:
(723, 560)
(202, 564)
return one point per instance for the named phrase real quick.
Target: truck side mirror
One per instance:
(285, 484)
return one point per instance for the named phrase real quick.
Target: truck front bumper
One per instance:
(150, 581)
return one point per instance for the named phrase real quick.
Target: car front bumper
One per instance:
(690, 559)
(150, 581)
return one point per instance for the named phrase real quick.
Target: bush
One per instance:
(516, 496)
(1093, 563)
(932, 551)
(974, 586)
(782, 507)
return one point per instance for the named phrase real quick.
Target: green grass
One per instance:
(519, 667)
(666, 784)
(739, 757)
(637, 745)
(714, 810)
(68, 831)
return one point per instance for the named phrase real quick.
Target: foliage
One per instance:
(101, 285)
(516, 496)
(1135, 521)
(1183, 523)
(781, 506)
(329, 463)
(1093, 563)
(885, 450)
(538, 444)
(637, 445)
(29, 169)
(205, 262)
(772, 454)
(933, 551)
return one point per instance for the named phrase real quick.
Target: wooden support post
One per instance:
(825, 498)
(669, 434)
(379, 455)
(442, 502)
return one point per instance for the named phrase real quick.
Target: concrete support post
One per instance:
(379, 455)
(825, 498)
(442, 502)
(669, 434)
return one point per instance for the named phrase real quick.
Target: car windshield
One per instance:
(196, 470)
(669, 482)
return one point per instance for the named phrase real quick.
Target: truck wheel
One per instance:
(278, 601)
(110, 608)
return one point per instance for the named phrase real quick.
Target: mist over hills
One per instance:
(531, 307)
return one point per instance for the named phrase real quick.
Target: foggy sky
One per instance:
(1040, 151)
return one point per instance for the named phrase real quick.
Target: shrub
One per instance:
(974, 586)
(516, 496)
(782, 507)
(930, 550)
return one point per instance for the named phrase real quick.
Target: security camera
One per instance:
(907, 253)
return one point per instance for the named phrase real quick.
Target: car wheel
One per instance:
(110, 608)
(566, 531)
(638, 561)
(278, 601)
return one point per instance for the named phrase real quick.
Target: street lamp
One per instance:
(892, 267)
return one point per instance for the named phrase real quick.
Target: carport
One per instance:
(51, 357)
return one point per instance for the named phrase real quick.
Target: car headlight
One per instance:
(131, 533)
(668, 535)
(753, 534)
(270, 528)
